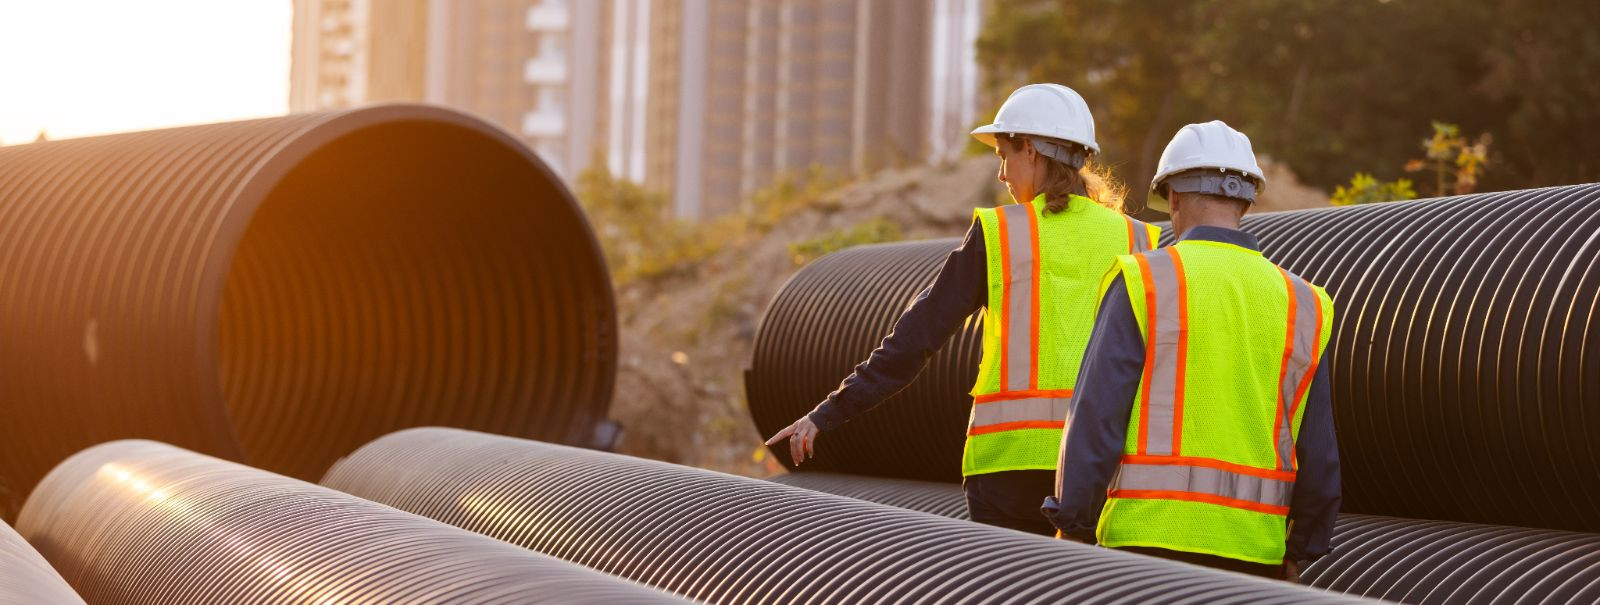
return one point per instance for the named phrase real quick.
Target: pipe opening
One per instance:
(412, 273)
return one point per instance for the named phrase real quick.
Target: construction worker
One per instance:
(1201, 429)
(1035, 266)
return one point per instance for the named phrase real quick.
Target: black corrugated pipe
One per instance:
(1465, 357)
(143, 522)
(826, 319)
(725, 539)
(1404, 560)
(281, 291)
(25, 577)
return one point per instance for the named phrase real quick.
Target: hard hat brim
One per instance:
(986, 134)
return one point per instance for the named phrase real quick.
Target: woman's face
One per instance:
(1020, 168)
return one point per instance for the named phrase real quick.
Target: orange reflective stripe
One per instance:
(1305, 381)
(1283, 371)
(1005, 293)
(1305, 339)
(1033, 331)
(1013, 426)
(1195, 497)
(1168, 332)
(1034, 394)
(1021, 299)
(1133, 236)
(1149, 349)
(1220, 465)
(1316, 359)
(1183, 351)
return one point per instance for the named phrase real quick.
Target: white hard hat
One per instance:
(1047, 110)
(1211, 146)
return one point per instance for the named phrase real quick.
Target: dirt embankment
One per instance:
(686, 338)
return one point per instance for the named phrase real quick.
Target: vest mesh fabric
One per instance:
(1237, 316)
(1076, 247)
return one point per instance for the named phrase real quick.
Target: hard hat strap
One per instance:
(1213, 183)
(1066, 153)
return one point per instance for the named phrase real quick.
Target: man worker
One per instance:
(1202, 429)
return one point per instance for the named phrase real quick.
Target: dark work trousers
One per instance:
(1011, 499)
(1212, 561)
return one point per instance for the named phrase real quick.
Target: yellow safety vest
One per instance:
(1231, 344)
(1044, 275)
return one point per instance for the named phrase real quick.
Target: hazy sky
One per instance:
(82, 67)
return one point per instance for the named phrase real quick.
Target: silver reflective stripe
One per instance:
(1037, 409)
(1141, 236)
(1203, 480)
(1302, 341)
(1166, 330)
(1019, 305)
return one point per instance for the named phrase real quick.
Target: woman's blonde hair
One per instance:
(1061, 182)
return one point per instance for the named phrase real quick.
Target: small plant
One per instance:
(1365, 189)
(875, 231)
(1454, 161)
(639, 239)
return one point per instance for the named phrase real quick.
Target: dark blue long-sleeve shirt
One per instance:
(959, 290)
(1097, 428)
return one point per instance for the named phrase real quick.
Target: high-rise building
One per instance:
(352, 52)
(745, 92)
(509, 61)
(708, 101)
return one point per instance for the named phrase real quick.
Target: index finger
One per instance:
(788, 430)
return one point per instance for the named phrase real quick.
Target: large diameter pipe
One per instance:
(1389, 558)
(25, 577)
(1465, 358)
(143, 522)
(830, 316)
(281, 291)
(724, 539)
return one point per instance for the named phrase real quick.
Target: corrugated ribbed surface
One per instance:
(283, 290)
(1405, 560)
(1465, 358)
(25, 577)
(1439, 562)
(943, 499)
(727, 539)
(143, 522)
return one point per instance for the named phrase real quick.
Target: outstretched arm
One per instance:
(960, 289)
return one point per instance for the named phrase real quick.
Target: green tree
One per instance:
(1323, 85)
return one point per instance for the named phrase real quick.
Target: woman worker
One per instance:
(1036, 267)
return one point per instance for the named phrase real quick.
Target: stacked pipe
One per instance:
(143, 522)
(281, 291)
(1403, 560)
(719, 538)
(1465, 357)
(25, 577)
